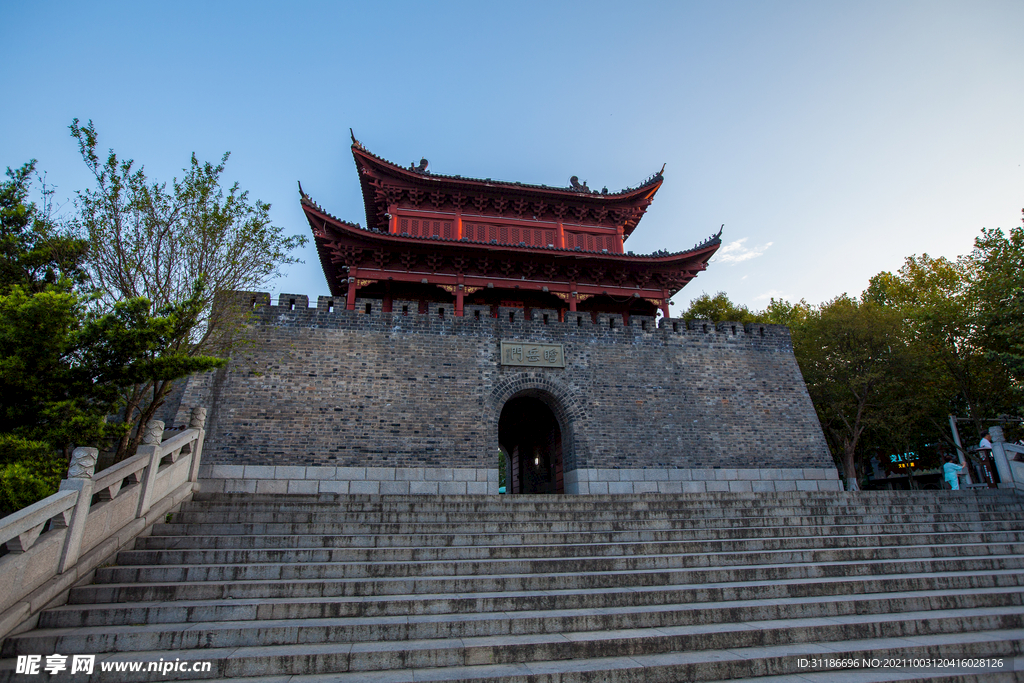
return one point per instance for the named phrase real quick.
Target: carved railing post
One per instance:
(197, 421)
(83, 464)
(999, 455)
(151, 447)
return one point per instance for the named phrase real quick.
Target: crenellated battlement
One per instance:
(330, 312)
(322, 385)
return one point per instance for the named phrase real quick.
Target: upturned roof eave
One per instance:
(645, 190)
(705, 249)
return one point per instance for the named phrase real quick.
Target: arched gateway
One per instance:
(530, 435)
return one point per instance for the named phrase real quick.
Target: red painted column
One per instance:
(664, 303)
(458, 236)
(393, 223)
(459, 289)
(560, 235)
(572, 299)
(350, 298)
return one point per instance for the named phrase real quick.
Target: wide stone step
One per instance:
(301, 657)
(198, 555)
(185, 635)
(426, 505)
(739, 665)
(329, 513)
(327, 569)
(243, 501)
(454, 538)
(224, 625)
(931, 513)
(385, 585)
(85, 608)
(506, 526)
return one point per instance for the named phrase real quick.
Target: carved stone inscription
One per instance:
(532, 355)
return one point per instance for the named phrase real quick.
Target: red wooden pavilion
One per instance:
(444, 238)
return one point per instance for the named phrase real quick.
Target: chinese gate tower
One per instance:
(470, 316)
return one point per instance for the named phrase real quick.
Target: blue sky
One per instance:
(832, 139)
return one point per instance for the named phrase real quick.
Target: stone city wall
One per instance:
(411, 395)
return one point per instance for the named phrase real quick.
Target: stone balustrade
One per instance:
(1013, 455)
(57, 542)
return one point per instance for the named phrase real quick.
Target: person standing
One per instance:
(987, 463)
(950, 470)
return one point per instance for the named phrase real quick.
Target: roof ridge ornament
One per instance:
(422, 168)
(356, 143)
(574, 182)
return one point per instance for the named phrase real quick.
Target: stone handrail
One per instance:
(1011, 471)
(21, 529)
(58, 541)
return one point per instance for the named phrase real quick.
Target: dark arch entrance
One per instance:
(530, 436)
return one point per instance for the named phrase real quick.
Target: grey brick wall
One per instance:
(347, 389)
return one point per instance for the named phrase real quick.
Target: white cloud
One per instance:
(735, 252)
(771, 294)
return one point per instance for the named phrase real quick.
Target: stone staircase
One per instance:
(694, 587)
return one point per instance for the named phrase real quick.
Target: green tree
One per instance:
(66, 364)
(35, 252)
(64, 369)
(998, 287)
(849, 353)
(719, 308)
(39, 262)
(154, 240)
(941, 310)
(781, 312)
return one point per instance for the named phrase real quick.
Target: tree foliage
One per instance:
(942, 306)
(66, 363)
(35, 252)
(719, 308)
(935, 338)
(999, 287)
(157, 241)
(851, 355)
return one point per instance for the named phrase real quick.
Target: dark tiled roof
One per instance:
(652, 180)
